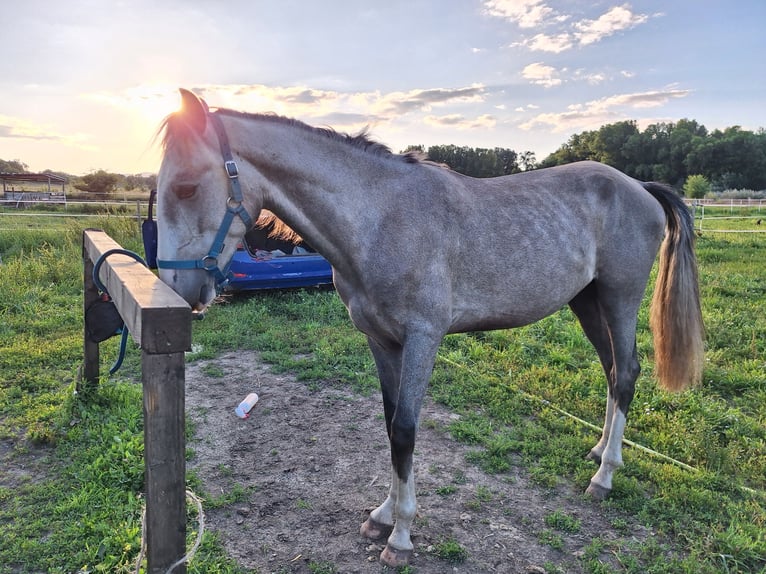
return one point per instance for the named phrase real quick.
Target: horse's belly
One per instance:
(514, 315)
(508, 302)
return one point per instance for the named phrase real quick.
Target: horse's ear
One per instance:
(194, 110)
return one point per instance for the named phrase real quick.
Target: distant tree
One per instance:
(476, 162)
(12, 166)
(98, 182)
(731, 159)
(527, 160)
(609, 141)
(696, 186)
(579, 147)
(682, 140)
(142, 182)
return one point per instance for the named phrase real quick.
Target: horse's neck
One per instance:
(322, 189)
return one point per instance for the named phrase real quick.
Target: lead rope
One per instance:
(102, 288)
(192, 551)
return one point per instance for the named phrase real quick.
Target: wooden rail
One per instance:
(160, 322)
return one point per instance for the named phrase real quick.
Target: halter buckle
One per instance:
(231, 169)
(209, 263)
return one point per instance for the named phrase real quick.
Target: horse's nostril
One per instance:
(206, 294)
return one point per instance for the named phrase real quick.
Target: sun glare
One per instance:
(148, 103)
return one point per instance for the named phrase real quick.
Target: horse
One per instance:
(419, 251)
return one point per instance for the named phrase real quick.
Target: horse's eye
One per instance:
(184, 190)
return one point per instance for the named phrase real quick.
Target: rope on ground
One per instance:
(192, 551)
(594, 427)
(583, 422)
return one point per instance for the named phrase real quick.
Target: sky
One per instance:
(84, 84)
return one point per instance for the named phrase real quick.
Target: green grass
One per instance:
(450, 551)
(79, 504)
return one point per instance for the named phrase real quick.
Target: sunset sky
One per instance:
(85, 83)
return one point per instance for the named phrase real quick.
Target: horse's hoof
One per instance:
(597, 492)
(394, 557)
(375, 530)
(595, 457)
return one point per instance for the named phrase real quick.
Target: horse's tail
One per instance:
(675, 316)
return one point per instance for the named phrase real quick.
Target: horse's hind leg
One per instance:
(611, 327)
(588, 311)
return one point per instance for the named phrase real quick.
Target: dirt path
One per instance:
(309, 465)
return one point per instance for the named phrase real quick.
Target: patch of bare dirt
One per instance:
(313, 463)
(22, 463)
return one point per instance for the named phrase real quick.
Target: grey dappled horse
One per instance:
(419, 251)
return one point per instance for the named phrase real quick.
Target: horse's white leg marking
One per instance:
(406, 507)
(597, 451)
(381, 520)
(611, 458)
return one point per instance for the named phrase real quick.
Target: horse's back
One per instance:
(528, 243)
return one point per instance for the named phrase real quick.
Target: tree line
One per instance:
(668, 152)
(671, 152)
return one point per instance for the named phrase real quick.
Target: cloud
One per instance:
(525, 13)
(650, 99)
(404, 102)
(592, 78)
(11, 127)
(547, 43)
(580, 33)
(602, 111)
(616, 19)
(347, 120)
(542, 75)
(306, 96)
(460, 122)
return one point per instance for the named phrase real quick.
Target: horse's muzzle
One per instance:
(195, 286)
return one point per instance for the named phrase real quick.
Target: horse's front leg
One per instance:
(388, 361)
(417, 361)
(380, 523)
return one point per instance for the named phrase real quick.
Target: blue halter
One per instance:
(234, 208)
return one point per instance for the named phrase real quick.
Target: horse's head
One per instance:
(200, 213)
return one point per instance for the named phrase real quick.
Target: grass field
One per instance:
(72, 470)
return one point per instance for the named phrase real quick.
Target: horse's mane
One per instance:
(360, 140)
(279, 229)
(172, 131)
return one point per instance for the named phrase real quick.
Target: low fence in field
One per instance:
(752, 211)
(160, 323)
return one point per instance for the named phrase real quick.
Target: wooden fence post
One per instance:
(163, 377)
(160, 323)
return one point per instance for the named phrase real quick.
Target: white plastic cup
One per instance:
(244, 407)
